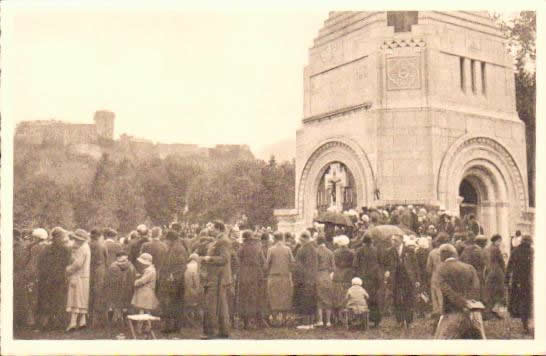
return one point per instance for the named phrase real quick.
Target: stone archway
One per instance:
(334, 150)
(490, 168)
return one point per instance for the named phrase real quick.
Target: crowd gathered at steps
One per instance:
(223, 276)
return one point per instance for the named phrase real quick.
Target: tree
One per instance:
(521, 32)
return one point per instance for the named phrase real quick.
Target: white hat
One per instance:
(145, 259)
(365, 218)
(356, 281)
(341, 240)
(423, 242)
(39, 233)
(410, 242)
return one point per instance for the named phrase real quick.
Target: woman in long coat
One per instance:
(52, 264)
(77, 302)
(305, 280)
(520, 268)
(343, 271)
(251, 274)
(280, 287)
(494, 276)
(324, 282)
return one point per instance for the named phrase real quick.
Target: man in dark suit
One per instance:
(136, 243)
(459, 284)
(218, 266)
(402, 265)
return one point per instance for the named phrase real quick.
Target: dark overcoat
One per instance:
(305, 277)
(494, 277)
(99, 258)
(404, 272)
(251, 298)
(171, 279)
(52, 286)
(119, 287)
(520, 269)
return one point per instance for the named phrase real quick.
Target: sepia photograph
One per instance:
(274, 175)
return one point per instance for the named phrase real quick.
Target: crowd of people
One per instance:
(222, 276)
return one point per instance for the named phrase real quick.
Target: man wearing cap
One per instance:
(218, 265)
(171, 282)
(78, 272)
(519, 277)
(459, 284)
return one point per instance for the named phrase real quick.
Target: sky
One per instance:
(170, 75)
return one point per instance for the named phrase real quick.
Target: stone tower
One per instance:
(411, 108)
(104, 124)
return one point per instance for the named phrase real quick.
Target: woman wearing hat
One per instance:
(77, 303)
(343, 271)
(144, 298)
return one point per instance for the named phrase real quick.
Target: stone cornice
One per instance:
(339, 112)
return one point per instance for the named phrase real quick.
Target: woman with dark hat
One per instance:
(78, 271)
(494, 277)
(250, 282)
(519, 278)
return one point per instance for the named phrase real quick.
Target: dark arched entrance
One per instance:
(336, 188)
(470, 202)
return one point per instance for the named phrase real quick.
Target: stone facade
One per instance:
(411, 113)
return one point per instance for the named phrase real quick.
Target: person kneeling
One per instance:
(460, 288)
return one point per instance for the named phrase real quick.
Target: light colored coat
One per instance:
(78, 280)
(144, 297)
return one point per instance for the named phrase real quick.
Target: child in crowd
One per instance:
(144, 299)
(356, 302)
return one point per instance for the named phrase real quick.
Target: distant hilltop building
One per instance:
(90, 139)
(63, 133)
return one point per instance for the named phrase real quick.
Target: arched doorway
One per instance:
(482, 170)
(336, 188)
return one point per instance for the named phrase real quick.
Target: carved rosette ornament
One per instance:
(403, 73)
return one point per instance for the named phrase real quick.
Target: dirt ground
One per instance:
(421, 329)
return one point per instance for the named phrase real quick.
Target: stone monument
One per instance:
(414, 108)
